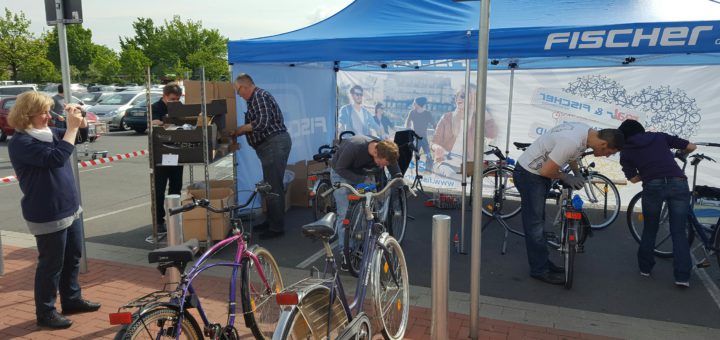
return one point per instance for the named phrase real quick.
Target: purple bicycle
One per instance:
(166, 313)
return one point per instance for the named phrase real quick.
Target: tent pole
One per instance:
(463, 178)
(482, 64)
(510, 102)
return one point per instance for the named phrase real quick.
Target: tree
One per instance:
(38, 68)
(105, 66)
(132, 64)
(81, 49)
(178, 46)
(16, 43)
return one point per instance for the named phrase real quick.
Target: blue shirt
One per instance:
(648, 155)
(45, 176)
(265, 116)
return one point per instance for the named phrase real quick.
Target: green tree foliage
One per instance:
(178, 46)
(81, 49)
(38, 68)
(105, 66)
(133, 62)
(17, 47)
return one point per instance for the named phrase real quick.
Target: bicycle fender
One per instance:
(155, 305)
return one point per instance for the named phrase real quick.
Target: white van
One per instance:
(14, 90)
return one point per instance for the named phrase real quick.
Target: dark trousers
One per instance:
(164, 175)
(58, 267)
(273, 154)
(425, 147)
(675, 192)
(533, 191)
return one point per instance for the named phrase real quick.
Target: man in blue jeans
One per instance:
(353, 156)
(534, 172)
(647, 157)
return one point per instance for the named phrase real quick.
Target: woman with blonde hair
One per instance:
(50, 205)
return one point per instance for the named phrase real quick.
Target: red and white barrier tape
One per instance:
(85, 164)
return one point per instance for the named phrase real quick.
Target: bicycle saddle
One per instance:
(179, 253)
(522, 146)
(321, 157)
(322, 228)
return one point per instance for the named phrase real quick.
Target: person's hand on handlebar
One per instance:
(574, 181)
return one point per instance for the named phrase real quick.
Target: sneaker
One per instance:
(682, 284)
(344, 264)
(644, 274)
(160, 237)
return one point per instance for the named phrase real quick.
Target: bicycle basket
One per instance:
(446, 201)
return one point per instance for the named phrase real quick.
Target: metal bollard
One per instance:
(440, 279)
(174, 234)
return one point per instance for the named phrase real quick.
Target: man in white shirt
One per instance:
(534, 172)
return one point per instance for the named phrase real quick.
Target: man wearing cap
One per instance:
(421, 120)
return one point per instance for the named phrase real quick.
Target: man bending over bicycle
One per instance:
(647, 158)
(352, 157)
(534, 172)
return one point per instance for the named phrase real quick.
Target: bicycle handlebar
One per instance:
(380, 193)
(260, 187)
(707, 144)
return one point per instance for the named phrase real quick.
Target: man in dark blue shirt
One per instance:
(266, 133)
(166, 177)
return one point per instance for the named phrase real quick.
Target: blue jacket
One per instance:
(45, 176)
(648, 154)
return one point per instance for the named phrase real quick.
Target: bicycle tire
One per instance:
(260, 309)
(355, 234)
(398, 214)
(635, 220)
(601, 201)
(489, 187)
(323, 205)
(297, 327)
(150, 324)
(392, 300)
(569, 251)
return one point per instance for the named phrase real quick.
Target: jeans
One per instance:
(58, 267)
(273, 154)
(169, 177)
(423, 145)
(533, 192)
(674, 191)
(341, 204)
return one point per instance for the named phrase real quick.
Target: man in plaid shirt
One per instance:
(267, 134)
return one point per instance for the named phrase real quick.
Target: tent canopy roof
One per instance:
(372, 30)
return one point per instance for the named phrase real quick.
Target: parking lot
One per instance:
(117, 212)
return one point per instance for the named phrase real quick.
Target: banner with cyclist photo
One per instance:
(674, 99)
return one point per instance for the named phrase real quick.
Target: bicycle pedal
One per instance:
(703, 264)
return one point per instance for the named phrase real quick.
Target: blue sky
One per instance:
(235, 19)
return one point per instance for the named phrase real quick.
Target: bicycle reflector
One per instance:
(120, 318)
(312, 178)
(573, 215)
(354, 198)
(287, 298)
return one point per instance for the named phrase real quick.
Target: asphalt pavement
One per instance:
(117, 213)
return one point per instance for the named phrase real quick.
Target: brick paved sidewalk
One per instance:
(114, 283)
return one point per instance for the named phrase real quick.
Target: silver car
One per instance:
(111, 110)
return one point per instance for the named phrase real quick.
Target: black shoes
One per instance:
(551, 278)
(555, 269)
(54, 320)
(81, 306)
(270, 234)
(344, 264)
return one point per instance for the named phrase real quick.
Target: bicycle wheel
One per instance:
(493, 179)
(355, 237)
(601, 201)
(391, 292)
(161, 323)
(398, 214)
(663, 241)
(260, 309)
(323, 205)
(297, 327)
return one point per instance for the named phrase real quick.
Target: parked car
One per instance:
(74, 88)
(94, 98)
(6, 103)
(112, 109)
(14, 90)
(136, 116)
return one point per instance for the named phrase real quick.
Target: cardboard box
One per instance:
(195, 221)
(214, 90)
(298, 190)
(187, 144)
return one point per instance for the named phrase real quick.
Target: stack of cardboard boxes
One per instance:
(222, 194)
